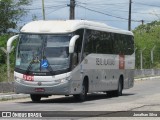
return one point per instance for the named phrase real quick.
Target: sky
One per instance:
(111, 12)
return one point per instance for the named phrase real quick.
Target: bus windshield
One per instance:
(43, 53)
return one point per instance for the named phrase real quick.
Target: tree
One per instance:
(11, 12)
(147, 36)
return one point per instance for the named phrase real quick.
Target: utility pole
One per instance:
(43, 11)
(72, 10)
(129, 17)
(142, 22)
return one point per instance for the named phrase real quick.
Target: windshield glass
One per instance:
(43, 53)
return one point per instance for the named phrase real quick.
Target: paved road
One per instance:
(144, 96)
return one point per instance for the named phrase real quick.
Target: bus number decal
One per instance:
(28, 77)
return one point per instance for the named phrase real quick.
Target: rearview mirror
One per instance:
(9, 43)
(72, 43)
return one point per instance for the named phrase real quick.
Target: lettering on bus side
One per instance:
(103, 61)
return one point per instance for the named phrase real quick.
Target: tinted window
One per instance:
(122, 44)
(108, 43)
(98, 42)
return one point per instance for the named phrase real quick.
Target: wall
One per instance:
(147, 72)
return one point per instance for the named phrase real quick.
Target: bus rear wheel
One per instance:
(35, 98)
(117, 92)
(82, 96)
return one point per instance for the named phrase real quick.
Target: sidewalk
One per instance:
(12, 95)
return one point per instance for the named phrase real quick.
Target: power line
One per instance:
(113, 20)
(42, 16)
(107, 14)
(122, 10)
(146, 4)
(56, 10)
(97, 4)
(52, 11)
(48, 7)
(119, 10)
(102, 13)
(103, 5)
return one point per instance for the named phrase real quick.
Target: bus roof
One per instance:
(67, 26)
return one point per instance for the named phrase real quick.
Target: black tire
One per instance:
(117, 92)
(82, 96)
(120, 88)
(110, 93)
(35, 98)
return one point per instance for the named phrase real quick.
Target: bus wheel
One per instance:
(35, 98)
(120, 88)
(117, 92)
(82, 96)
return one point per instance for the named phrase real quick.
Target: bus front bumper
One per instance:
(42, 88)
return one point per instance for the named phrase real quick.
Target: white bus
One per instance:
(73, 57)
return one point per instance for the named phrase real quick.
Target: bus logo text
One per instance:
(100, 61)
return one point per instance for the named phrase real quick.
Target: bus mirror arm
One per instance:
(9, 43)
(72, 43)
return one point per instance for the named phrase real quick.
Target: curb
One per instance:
(147, 78)
(4, 96)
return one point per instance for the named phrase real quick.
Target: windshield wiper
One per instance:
(34, 60)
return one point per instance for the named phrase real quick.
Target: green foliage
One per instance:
(147, 36)
(3, 43)
(3, 57)
(11, 11)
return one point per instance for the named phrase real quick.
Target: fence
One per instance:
(147, 58)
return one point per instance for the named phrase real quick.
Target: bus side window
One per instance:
(88, 43)
(130, 44)
(117, 43)
(114, 43)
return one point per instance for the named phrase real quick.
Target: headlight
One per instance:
(17, 79)
(63, 80)
(68, 78)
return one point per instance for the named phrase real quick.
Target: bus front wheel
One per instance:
(35, 98)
